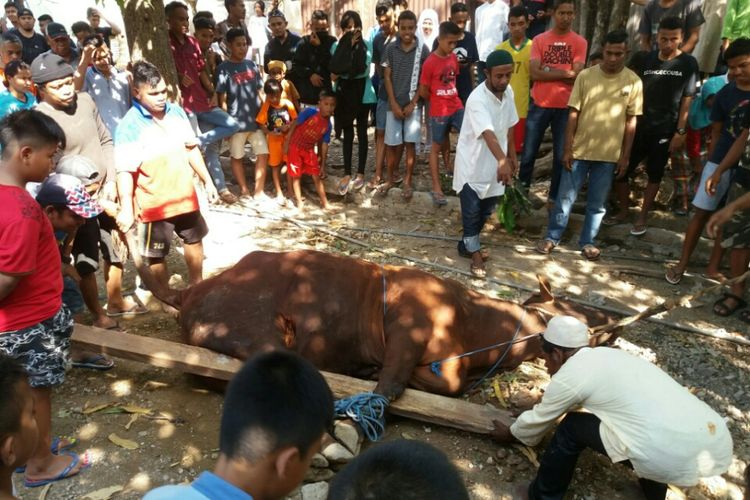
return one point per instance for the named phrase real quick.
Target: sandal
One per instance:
(398, 180)
(69, 471)
(407, 193)
(358, 183)
(478, 271)
(438, 199)
(467, 255)
(96, 362)
(344, 185)
(722, 309)
(544, 247)
(638, 230)
(382, 190)
(59, 445)
(590, 252)
(227, 197)
(374, 183)
(672, 276)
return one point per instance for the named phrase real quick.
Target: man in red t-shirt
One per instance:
(35, 327)
(438, 85)
(557, 56)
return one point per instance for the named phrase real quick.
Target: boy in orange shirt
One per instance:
(275, 118)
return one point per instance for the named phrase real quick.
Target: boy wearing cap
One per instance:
(33, 43)
(485, 163)
(604, 104)
(635, 414)
(35, 326)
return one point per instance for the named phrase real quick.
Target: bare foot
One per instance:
(53, 466)
(106, 322)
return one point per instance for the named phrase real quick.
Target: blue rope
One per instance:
(435, 365)
(367, 409)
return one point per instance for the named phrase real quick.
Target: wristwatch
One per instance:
(681, 131)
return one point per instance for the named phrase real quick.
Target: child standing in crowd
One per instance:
(108, 86)
(35, 327)
(18, 95)
(519, 46)
(698, 137)
(401, 67)
(275, 118)
(438, 84)
(205, 32)
(312, 127)
(277, 71)
(238, 82)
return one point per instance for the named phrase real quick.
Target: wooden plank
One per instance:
(417, 405)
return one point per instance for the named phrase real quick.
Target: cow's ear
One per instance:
(545, 290)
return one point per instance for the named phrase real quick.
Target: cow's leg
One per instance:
(404, 350)
(450, 379)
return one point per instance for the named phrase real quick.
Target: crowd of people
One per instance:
(92, 152)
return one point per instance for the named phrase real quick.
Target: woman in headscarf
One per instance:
(427, 27)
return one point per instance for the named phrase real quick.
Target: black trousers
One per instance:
(575, 433)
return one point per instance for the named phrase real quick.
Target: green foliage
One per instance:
(513, 204)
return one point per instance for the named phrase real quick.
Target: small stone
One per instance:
(408, 435)
(315, 491)
(427, 429)
(514, 460)
(319, 461)
(314, 475)
(348, 435)
(337, 454)
(490, 461)
(501, 453)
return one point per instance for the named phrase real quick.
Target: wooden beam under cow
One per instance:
(414, 404)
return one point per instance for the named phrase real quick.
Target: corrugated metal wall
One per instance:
(366, 9)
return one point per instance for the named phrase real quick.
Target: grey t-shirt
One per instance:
(689, 11)
(240, 82)
(402, 67)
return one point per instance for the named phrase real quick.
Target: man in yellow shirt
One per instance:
(519, 47)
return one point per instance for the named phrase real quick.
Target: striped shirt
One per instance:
(402, 66)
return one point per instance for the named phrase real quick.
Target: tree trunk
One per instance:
(146, 29)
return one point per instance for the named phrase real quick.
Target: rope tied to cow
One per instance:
(367, 409)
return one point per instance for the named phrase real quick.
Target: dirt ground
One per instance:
(183, 441)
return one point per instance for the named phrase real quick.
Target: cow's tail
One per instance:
(167, 295)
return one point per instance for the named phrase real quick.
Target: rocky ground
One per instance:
(170, 421)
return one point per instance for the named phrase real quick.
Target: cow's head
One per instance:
(546, 302)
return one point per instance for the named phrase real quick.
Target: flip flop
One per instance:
(544, 247)
(590, 252)
(134, 310)
(92, 363)
(438, 199)
(374, 183)
(483, 252)
(55, 448)
(358, 183)
(673, 277)
(343, 187)
(613, 221)
(65, 474)
(723, 310)
(478, 271)
(638, 230)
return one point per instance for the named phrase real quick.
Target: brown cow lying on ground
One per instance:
(362, 319)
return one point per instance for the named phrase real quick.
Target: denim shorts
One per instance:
(441, 125)
(702, 200)
(71, 295)
(42, 349)
(408, 130)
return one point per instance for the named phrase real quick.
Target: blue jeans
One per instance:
(474, 213)
(537, 122)
(215, 125)
(600, 175)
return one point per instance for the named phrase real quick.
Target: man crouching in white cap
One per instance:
(635, 414)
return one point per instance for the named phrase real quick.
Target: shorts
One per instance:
(256, 139)
(655, 150)
(702, 200)
(302, 162)
(380, 114)
(43, 349)
(93, 235)
(695, 140)
(408, 130)
(519, 134)
(275, 149)
(156, 237)
(441, 125)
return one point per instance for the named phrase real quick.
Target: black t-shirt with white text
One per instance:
(665, 83)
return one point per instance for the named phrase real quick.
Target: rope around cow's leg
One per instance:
(367, 409)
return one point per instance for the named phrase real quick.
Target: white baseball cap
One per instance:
(567, 331)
